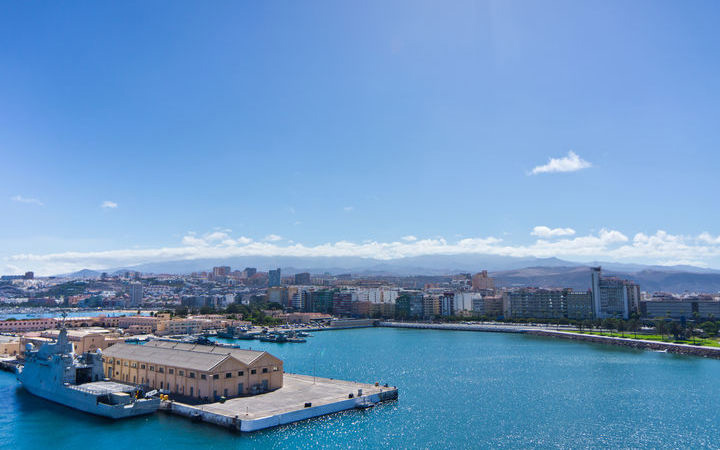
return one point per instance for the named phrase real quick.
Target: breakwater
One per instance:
(670, 347)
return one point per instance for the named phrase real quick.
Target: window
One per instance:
(253, 372)
(181, 373)
(152, 368)
(265, 370)
(171, 371)
(216, 376)
(275, 369)
(161, 369)
(133, 365)
(241, 373)
(125, 364)
(142, 366)
(191, 374)
(202, 376)
(228, 375)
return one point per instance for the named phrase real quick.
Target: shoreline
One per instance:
(670, 347)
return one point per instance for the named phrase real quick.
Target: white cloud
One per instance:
(709, 239)
(107, 204)
(28, 200)
(409, 238)
(570, 163)
(215, 238)
(546, 232)
(658, 248)
(348, 208)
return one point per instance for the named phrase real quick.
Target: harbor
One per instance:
(483, 389)
(240, 389)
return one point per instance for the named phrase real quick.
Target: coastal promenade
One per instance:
(670, 347)
(488, 327)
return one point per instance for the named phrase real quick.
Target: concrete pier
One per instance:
(301, 397)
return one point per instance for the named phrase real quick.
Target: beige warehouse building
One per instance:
(198, 371)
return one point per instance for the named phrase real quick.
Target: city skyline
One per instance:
(582, 132)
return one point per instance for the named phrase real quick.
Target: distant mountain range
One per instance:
(508, 271)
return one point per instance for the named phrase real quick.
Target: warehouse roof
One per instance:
(246, 356)
(189, 356)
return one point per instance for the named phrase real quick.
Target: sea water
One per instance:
(457, 390)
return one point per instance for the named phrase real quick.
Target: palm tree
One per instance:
(660, 328)
(634, 325)
(620, 325)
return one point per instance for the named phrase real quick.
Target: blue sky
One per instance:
(289, 127)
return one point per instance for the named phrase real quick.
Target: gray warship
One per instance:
(54, 372)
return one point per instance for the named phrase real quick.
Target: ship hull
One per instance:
(89, 404)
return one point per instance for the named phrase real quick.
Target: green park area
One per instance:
(695, 340)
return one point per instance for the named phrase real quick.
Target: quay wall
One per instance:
(670, 347)
(197, 413)
(315, 411)
(236, 422)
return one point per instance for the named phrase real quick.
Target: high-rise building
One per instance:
(277, 294)
(447, 304)
(613, 297)
(482, 282)
(249, 271)
(299, 299)
(579, 305)
(321, 301)
(342, 303)
(409, 305)
(274, 278)
(493, 306)
(221, 272)
(302, 278)
(136, 294)
(529, 303)
(431, 306)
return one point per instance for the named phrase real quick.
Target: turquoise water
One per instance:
(457, 389)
